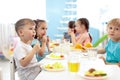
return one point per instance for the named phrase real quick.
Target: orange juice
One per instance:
(73, 66)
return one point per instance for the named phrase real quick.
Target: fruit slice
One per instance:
(88, 45)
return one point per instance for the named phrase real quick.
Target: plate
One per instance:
(93, 78)
(55, 67)
(55, 56)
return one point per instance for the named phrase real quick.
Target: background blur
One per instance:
(57, 13)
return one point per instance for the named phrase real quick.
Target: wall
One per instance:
(58, 13)
(13, 10)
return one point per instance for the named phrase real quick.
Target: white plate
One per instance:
(53, 70)
(48, 56)
(93, 78)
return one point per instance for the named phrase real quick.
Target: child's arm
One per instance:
(118, 64)
(101, 51)
(107, 63)
(73, 38)
(48, 43)
(44, 41)
(27, 59)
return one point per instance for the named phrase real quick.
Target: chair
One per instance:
(12, 68)
(1, 74)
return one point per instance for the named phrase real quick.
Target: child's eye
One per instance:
(110, 27)
(116, 28)
(44, 28)
(30, 28)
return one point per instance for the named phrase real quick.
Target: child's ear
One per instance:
(20, 32)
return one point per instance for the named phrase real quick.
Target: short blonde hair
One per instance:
(114, 22)
(22, 23)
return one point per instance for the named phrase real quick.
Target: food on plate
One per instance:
(56, 65)
(52, 45)
(95, 73)
(88, 45)
(79, 46)
(57, 56)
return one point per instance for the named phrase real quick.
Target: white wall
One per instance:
(98, 11)
(12, 10)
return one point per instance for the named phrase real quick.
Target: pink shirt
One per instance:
(83, 38)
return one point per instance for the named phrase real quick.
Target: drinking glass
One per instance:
(92, 53)
(73, 63)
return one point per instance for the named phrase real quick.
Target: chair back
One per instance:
(12, 68)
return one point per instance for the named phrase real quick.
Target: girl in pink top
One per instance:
(82, 28)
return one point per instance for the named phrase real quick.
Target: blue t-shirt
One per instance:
(113, 51)
(37, 55)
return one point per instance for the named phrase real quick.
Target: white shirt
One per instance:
(20, 51)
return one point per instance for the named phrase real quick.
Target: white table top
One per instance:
(113, 71)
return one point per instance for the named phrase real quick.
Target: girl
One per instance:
(41, 28)
(82, 28)
(71, 26)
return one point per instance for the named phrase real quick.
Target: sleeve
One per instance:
(20, 53)
(117, 53)
(106, 46)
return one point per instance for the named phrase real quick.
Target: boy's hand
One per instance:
(101, 57)
(36, 47)
(118, 64)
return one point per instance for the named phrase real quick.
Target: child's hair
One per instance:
(85, 22)
(71, 24)
(114, 22)
(38, 24)
(22, 23)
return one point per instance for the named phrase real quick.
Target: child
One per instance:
(82, 28)
(41, 28)
(71, 27)
(112, 48)
(24, 54)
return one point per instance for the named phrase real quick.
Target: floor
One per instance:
(4, 64)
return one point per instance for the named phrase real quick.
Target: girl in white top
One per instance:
(24, 54)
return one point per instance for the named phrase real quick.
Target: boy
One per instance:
(24, 54)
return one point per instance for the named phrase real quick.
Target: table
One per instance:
(113, 71)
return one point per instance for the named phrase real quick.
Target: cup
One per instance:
(73, 63)
(67, 41)
(92, 53)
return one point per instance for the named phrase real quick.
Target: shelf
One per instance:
(62, 28)
(69, 16)
(70, 9)
(70, 2)
(58, 35)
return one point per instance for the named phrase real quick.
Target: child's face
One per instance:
(113, 32)
(28, 33)
(79, 27)
(41, 30)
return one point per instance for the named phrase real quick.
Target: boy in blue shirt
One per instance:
(112, 48)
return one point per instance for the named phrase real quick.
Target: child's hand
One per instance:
(70, 32)
(101, 57)
(44, 39)
(48, 39)
(36, 47)
(118, 64)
